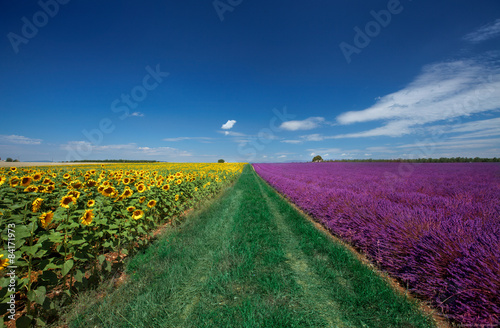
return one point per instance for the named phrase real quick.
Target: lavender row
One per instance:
(434, 226)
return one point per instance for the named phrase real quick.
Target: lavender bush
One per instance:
(437, 229)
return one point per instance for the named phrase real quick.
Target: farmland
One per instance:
(249, 259)
(58, 223)
(435, 227)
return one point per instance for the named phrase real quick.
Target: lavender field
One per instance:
(436, 227)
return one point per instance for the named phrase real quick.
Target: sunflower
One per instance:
(127, 192)
(166, 187)
(177, 197)
(46, 218)
(74, 193)
(66, 176)
(151, 203)
(77, 184)
(3, 263)
(36, 205)
(50, 188)
(195, 188)
(131, 208)
(41, 188)
(30, 189)
(37, 177)
(46, 181)
(142, 199)
(141, 188)
(109, 191)
(91, 183)
(87, 217)
(126, 181)
(14, 181)
(90, 203)
(2, 180)
(179, 181)
(137, 214)
(66, 200)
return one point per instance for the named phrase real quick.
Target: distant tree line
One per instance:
(113, 161)
(423, 160)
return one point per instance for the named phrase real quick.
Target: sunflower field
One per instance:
(59, 223)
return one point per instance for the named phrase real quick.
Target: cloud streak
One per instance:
(187, 138)
(486, 32)
(307, 124)
(21, 140)
(443, 91)
(129, 151)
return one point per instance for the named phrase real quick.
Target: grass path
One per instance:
(249, 260)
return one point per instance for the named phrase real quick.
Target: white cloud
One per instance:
(458, 145)
(313, 137)
(292, 141)
(233, 134)
(228, 125)
(127, 151)
(443, 91)
(187, 138)
(15, 139)
(324, 151)
(137, 114)
(307, 124)
(477, 129)
(391, 129)
(486, 32)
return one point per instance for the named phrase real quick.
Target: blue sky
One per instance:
(258, 81)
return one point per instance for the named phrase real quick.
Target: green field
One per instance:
(248, 259)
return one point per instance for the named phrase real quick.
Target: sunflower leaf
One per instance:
(67, 266)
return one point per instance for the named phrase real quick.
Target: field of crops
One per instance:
(57, 223)
(434, 226)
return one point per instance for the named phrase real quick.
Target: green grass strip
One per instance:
(250, 260)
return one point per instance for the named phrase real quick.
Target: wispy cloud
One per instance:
(187, 138)
(486, 32)
(477, 129)
(137, 114)
(228, 125)
(127, 151)
(455, 145)
(307, 124)
(233, 134)
(15, 139)
(443, 91)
